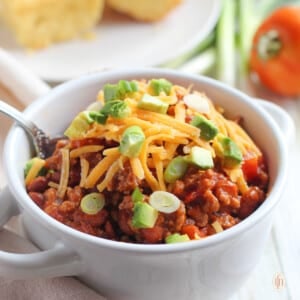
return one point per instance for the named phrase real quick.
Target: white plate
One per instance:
(122, 42)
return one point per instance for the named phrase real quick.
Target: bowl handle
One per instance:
(25, 85)
(282, 119)
(58, 261)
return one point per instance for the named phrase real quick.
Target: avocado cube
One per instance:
(132, 141)
(144, 215)
(200, 157)
(208, 130)
(79, 126)
(154, 104)
(232, 155)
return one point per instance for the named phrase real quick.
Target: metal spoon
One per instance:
(40, 139)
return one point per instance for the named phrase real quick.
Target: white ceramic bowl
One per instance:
(212, 268)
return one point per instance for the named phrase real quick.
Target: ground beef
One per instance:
(206, 196)
(124, 181)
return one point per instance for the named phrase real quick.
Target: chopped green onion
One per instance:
(160, 85)
(132, 141)
(151, 103)
(177, 238)
(125, 87)
(92, 203)
(137, 195)
(164, 202)
(119, 91)
(116, 108)
(110, 92)
(98, 117)
(144, 215)
(175, 169)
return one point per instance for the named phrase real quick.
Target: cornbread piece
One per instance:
(144, 10)
(39, 23)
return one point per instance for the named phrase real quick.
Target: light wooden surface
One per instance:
(277, 275)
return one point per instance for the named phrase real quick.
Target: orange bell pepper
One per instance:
(275, 53)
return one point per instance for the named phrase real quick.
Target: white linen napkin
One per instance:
(63, 288)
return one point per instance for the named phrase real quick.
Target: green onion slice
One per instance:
(92, 203)
(164, 202)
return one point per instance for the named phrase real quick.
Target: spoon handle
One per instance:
(39, 139)
(12, 112)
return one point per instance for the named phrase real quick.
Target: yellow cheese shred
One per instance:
(159, 171)
(180, 113)
(37, 165)
(85, 149)
(137, 168)
(64, 175)
(84, 164)
(100, 169)
(170, 121)
(112, 170)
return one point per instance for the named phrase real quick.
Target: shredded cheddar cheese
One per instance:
(111, 171)
(85, 149)
(64, 175)
(84, 164)
(100, 169)
(166, 136)
(37, 165)
(137, 168)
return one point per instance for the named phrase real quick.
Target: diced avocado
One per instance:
(132, 141)
(177, 238)
(151, 103)
(79, 125)
(230, 152)
(200, 157)
(175, 169)
(160, 85)
(208, 130)
(144, 215)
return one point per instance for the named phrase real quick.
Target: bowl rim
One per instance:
(67, 232)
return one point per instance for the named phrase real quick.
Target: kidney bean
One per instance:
(39, 185)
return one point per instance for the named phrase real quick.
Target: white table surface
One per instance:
(277, 275)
